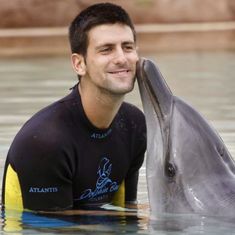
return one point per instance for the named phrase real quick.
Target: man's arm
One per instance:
(40, 171)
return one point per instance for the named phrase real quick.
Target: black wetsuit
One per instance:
(63, 162)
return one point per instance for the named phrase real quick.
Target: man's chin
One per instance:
(122, 90)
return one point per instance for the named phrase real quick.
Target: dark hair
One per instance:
(97, 14)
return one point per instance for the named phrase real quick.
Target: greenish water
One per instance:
(206, 80)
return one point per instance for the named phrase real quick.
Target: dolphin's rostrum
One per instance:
(189, 169)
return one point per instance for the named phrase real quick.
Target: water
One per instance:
(206, 80)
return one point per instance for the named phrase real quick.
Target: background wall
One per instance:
(40, 27)
(43, 13)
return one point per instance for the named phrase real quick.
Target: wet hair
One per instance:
(97, 14)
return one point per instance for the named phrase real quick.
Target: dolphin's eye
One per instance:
(170, 170)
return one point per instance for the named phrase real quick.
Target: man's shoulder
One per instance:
(47, 124)
(48, 115)
(52, 114)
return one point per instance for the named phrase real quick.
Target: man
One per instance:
(84, 150)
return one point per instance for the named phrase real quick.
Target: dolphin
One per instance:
(188, 168)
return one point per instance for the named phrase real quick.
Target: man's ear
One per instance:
(79, 64)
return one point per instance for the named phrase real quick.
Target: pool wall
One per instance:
(38, 27)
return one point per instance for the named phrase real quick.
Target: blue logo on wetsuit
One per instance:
(103, 184)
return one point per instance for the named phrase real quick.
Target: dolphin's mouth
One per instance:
(139, 70)
(157, 90)
(151, 106)
(144, 81)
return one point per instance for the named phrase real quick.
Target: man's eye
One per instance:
(106, 50)
(129, 48)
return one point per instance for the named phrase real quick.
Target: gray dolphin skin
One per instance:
(188, 168)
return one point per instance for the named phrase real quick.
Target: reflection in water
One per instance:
(191, 224)
(113, 222)
(83, 222)
(206, 80)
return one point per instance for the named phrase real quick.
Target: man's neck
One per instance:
(100, 107)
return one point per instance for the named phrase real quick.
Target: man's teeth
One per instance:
(123, 71)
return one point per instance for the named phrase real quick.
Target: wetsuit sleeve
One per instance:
(41, 165)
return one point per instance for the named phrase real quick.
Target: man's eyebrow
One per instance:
(129, 42)
(113, 44)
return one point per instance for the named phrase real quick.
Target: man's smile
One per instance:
(120, 72)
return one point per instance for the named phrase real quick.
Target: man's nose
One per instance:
(120, 56)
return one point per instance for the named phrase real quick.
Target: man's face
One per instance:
(111, 58)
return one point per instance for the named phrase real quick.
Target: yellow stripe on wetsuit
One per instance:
(119, 196)
(13, 195)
